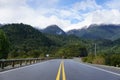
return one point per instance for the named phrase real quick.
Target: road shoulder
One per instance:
(105, 67)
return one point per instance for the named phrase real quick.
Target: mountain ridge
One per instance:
(103, 31)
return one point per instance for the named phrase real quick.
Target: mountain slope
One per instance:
(53, 29)
(27, 41)
(21, 34)
(103, 31)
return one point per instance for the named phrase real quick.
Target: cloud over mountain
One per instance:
(66, 14)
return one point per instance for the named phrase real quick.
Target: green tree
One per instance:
(4, 45)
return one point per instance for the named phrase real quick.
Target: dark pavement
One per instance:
(79, 71)
(48, 71)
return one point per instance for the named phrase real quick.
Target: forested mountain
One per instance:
(103, 31)
(53, 29)
(21, 34)
(27, 41)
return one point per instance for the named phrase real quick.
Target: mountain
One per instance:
(25, 35)
(53, 29)
(28, 42)
(103, 31)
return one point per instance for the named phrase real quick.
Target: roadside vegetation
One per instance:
(106, 57)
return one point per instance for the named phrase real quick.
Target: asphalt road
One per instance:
(59, 70)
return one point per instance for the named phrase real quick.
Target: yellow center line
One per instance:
(61, 68)
(63, 72)
(58, 74)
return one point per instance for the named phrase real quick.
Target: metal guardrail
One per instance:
(20, 62)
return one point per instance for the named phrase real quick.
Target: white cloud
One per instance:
(46, 21)
(98, 17)
(106, 16)
(25, 14)
(85, 23)
(16, 11)
(12, 3)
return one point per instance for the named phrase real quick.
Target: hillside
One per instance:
(61, 40)
(111, 32)
(20, 34)
(25, 40)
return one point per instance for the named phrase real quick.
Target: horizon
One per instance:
(68, 14)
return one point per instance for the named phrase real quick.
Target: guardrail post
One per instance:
(33, 61)
(2, 65)
(20, 62)
(25, 62)
(13, 64)
(30, 61)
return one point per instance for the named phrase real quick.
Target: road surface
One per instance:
(59, 69)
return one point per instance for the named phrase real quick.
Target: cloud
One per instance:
(12, 3)
(98, 17)
(46, 21)
(85, 23)
(77, 16)
(16, 11)
(35, 17)
(106, 16)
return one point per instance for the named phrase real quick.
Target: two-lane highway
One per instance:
(58, 69)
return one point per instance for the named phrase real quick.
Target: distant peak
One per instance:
(53, 29)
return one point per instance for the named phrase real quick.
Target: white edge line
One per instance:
(18, 68)
(26, 66)
(101, 69)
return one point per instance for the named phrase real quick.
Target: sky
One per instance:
(67, 14)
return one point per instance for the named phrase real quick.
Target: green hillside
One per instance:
(26, 41)
(20, 34)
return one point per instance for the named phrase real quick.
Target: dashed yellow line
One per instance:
(61, 68)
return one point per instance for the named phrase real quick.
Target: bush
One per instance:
(98, 60)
